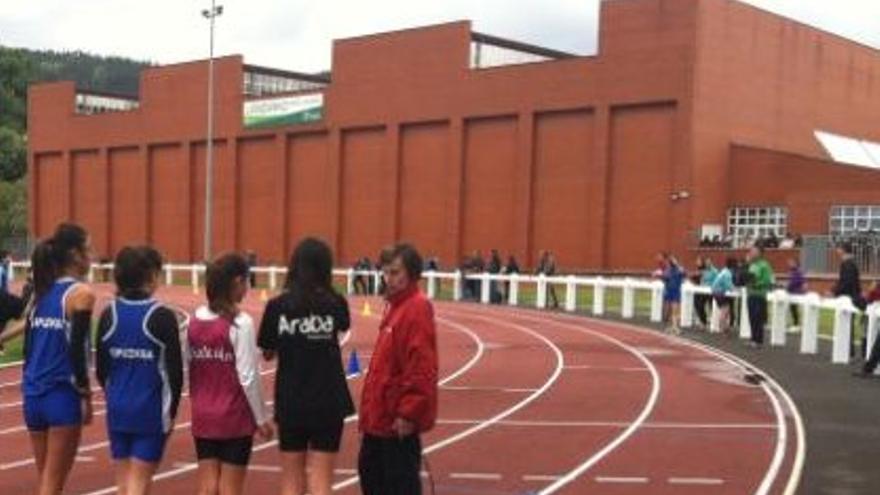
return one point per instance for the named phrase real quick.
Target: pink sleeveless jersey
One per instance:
(220, 408)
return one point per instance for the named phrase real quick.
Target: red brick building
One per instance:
(690, 109)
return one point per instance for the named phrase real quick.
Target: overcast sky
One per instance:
(297, 34)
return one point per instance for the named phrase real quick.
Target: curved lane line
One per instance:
(489, 422)
(800, 454)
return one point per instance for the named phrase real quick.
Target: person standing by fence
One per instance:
(796, 286)
(759, 282)
(849, 285)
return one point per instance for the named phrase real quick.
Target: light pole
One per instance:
(211, 14)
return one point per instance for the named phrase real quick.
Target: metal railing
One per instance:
(779, 300)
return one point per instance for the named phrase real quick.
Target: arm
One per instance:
(267, 340)
(80, 304)
(163, 326)
(418, 355)
(102, 353)
(248, 367)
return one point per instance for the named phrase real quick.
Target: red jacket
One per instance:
(402, 377)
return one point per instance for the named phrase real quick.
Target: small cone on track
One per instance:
(354, 364)
(367, 311)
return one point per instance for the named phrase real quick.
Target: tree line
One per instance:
(20, 67)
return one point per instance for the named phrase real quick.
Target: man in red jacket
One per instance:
(399, 400)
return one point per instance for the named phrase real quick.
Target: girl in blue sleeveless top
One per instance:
(55, 381)
(139, 365)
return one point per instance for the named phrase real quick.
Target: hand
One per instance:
(403, 427)
(266, 431)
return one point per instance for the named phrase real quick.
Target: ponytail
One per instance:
(53, 255)
(45, 271)
(220, 275)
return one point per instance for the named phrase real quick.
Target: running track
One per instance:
(530, 403)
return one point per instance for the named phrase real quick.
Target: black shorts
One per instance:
(298, 438)
(721, 300)
(235, 451)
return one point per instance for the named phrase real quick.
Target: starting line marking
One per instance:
(476, 476)
(695, 481)
(621, 479)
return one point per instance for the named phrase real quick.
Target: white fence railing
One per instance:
(778, 301)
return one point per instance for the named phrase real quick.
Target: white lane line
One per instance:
(695, 481)
(11, 364)
(491, 389)
(264, 469)
(188, 467)
(618, 424)
(476, 476)
(10, 405)
(800, 453)
(630, 430)
(516, 407)
(10, 384)
(606, 368)
(621, 479)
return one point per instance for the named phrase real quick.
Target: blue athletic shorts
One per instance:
(60, 406)
(143, 447)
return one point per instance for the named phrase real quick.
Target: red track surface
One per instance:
(531, 403)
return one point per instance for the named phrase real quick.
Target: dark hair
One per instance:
(310, 266)
(846, 247)
(53, 255)
(731, 263)
(220, 275)
(310, 275)
(412, 260)
(134, 268)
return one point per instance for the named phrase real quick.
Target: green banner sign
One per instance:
(286, 110)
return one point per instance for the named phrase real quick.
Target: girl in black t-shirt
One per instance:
(301, 326)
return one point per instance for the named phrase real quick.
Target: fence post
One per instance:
(656, 301)
(627, 307)
(349, 281)
(779, 301)
(687, 304)
(873, 315)
(194, 275)
(377, 280)
(91, 275)
(484, 288)
(810, 324)
(541, 295)
(513, 296)
(456, 286)
(714, 316)
(745, 327)
(11, 274)
(273, 278)
(843, 315)
(432, 284)
(599, 297)
(570, 294)
(169, 277)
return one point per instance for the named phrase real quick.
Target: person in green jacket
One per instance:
(759, 283)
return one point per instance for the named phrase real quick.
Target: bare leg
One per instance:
(61, 446)
(232, 479)
(38, 444)
(122, 477)
(209, 476)
(293, 473)
(321, 472)
(140, 475)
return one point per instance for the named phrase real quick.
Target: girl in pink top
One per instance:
(224, 380)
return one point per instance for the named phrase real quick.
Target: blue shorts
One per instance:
(147, 447)
(60, 406)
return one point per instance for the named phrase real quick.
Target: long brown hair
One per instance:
(220, 276)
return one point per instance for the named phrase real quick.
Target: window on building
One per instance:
(745, 224)
(847, 220)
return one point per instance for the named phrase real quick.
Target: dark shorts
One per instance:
(235, 451)
(298, 438)
(143, 447)
(60, 406)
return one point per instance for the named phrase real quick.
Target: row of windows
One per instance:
(744, 223)
(256, 84)
(89, 104)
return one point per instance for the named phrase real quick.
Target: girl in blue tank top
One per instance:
(139, 366)
(55, 381)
